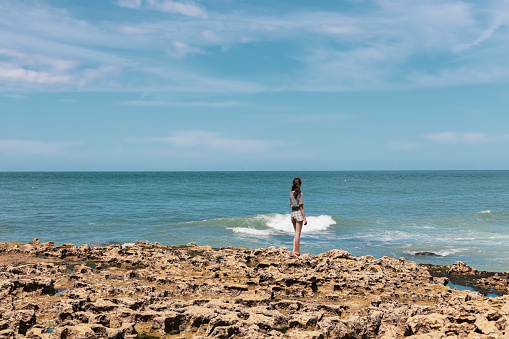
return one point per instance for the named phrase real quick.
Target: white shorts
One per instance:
(297, 216)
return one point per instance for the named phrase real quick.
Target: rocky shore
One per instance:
(154, 291)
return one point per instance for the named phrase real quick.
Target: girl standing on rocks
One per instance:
(298, 215)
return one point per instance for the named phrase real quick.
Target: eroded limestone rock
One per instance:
(67, 291)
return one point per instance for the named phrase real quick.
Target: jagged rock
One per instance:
(81, 331)
(460, 267)
(21, 320)
(7, 334)
(200, 291)
(254, 298)
(420, 324)
(304, 320)
(173, 321)
(425, 253)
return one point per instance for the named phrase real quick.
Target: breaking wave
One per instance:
(271, 224)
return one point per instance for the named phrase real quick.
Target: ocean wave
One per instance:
(251, 231)
(283, 223)
(271, 224)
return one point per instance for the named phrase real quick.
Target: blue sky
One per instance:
(253, 85)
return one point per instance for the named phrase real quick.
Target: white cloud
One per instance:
(34, 68)
(340, 30)
(38, 70)
(37, 60)
(387, 45)
(499, 20)
(459, 138)
(149, 103)
(29, 76)
(213, 141)
(451, 138)
(15, 96)
(105, 73)
(403, 145)
(188, 8)
(33, 147)
(320, 117)
(135, 30)
(411, 44)
(181, 50)
(212, 37)
(134, 4)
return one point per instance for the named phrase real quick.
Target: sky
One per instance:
(174, 85)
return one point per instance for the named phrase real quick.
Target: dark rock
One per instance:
(428, 254)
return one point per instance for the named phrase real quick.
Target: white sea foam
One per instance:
(485, 212)
(127, 244)
(446, 253)
(392, 236)
(251, 231)
(283, 223)
(270, 224)
(427, 227)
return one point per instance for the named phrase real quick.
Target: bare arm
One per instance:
(303, 214)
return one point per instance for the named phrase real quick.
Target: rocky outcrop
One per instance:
(150, 290)
(461, 274)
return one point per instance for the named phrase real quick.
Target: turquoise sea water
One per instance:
(458, 215)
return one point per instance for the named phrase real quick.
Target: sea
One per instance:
(435, 217)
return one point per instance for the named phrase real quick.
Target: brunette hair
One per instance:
(296, 187)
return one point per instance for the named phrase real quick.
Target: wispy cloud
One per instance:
(14, 96)
(466, 138)
(66, 101)
(18, 68)
(152, 103)
(403, 145)
(37, 60)
(459, 138)
(340, 30)
(186, 8)
(29, 76)
(135, 30)
(398, 33)
(388, 45)
(211, 141)
(500, 20)
(14, 148)
(180, 50)
(134, 4)
(449, 138)
(320, 117)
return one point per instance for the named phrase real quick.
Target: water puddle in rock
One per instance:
(59, 291)
(492, 293)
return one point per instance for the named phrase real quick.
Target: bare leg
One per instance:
(296, 240)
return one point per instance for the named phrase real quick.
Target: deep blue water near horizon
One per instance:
(457, 215)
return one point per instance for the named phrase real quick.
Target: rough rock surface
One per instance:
(462, 274)
(154, 291)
